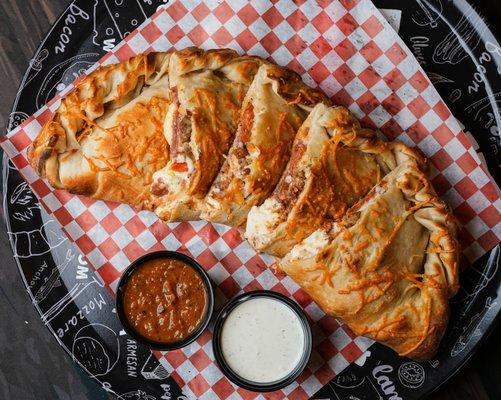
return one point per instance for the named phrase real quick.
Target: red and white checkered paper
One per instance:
(347, 49)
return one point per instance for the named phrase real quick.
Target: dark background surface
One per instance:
(32, 364)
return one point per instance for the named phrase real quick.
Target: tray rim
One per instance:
(461, 5)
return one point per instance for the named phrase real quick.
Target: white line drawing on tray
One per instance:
(490, 121)
(482, 279)
(107, 386)
(23, 196)
(455, 95)
(463, 38)
(428, 13)
(495, 51)
(104, 38)
(68, 298)
(136, 395)
(75, 291)
(36, 64)
(152, 369)
(122, 25)
(437, 78)
(10, 165)
(55, 80)
(16, 118)
(351, 390)
(471, 330)
(26, 75)
(411, 375)
(98, 358)
(54, 278)
(481, 105)
(38, 241)
(360, 361)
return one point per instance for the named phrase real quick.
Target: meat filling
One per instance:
(292, 181)
(181, 131)
(238, 155)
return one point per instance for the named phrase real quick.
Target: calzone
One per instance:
(388, 267)
(106, 138)
(240, 141)
(208, 88)
(334, 163)
(273, 110)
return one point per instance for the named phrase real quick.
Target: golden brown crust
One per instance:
(333, 164)
(212, 131)
(98, 142)
(208, 90)
(388, 267)
(274, 107)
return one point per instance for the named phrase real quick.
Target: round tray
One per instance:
(77, 309)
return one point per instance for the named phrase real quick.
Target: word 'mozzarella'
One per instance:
(95, 303)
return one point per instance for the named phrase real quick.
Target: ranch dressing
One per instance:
(262, 340)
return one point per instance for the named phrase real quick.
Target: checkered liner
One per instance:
(347, 49)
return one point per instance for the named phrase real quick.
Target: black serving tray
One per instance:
(77, 309)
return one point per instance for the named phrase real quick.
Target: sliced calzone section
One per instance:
(208, 88)
(388, 267)
(106, 138)
(273, 110)
(334, 163)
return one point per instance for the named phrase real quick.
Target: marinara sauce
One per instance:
(164, 300)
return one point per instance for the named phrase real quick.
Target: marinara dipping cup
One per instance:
(262, 340)
(165, 300)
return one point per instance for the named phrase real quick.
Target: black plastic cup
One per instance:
(208, 309)
(258, 386)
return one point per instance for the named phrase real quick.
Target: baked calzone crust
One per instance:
(388, 267)
(211, 134)
(208, 88)
(106, 139)
(273, 110)
(334, 163)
